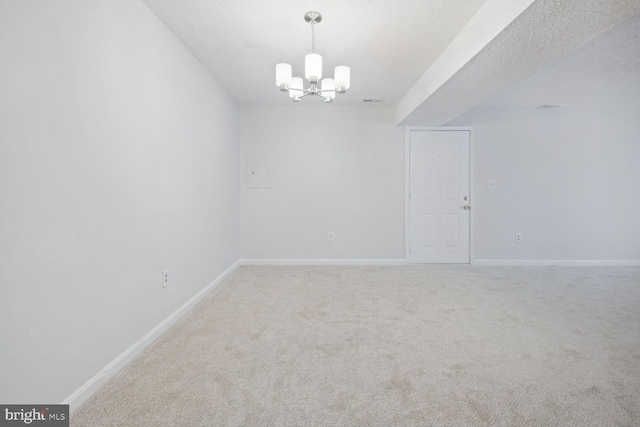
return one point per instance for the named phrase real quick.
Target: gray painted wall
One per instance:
(118, 159)
(336, 169)
(567, 180)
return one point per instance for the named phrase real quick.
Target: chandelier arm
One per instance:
(325, 98)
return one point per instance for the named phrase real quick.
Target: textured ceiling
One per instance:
(387, 43)
(543, 33)
(604, 73)
(432, 59)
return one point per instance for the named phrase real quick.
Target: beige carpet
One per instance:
(392, 346)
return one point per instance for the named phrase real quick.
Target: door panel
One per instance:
(451, 180)
(451, 230)
(429, 180)
(427, 226)
(438, 184)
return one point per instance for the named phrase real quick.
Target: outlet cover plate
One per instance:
(165, 278)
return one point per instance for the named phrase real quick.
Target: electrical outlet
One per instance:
(165, 278)
(331, 236)
(518, 237)
(492, 184)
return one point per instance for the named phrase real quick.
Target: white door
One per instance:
(439, 197)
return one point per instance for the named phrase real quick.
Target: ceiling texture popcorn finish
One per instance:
(544, 32)
(431, 59)
(388, 44)
(598, 74)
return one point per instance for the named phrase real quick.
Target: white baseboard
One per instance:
(324, 262)
(558, 262)
(78, 397)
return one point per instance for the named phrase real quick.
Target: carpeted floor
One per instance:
(392, 346)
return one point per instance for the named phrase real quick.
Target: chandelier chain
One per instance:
(313, 37)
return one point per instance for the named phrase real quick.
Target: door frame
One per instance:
(472, 185)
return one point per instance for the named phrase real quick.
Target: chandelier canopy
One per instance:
(313, 72)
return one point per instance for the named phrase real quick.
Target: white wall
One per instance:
(338, 169)
(567, 180)
(118, 159)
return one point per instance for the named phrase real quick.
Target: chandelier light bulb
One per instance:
(328, 89)
(295, 89)
(313, 67)
(343, 78)
(283, 76)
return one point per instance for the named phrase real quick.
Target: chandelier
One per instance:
(313, 73)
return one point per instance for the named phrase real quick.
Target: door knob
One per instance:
(467, 207)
